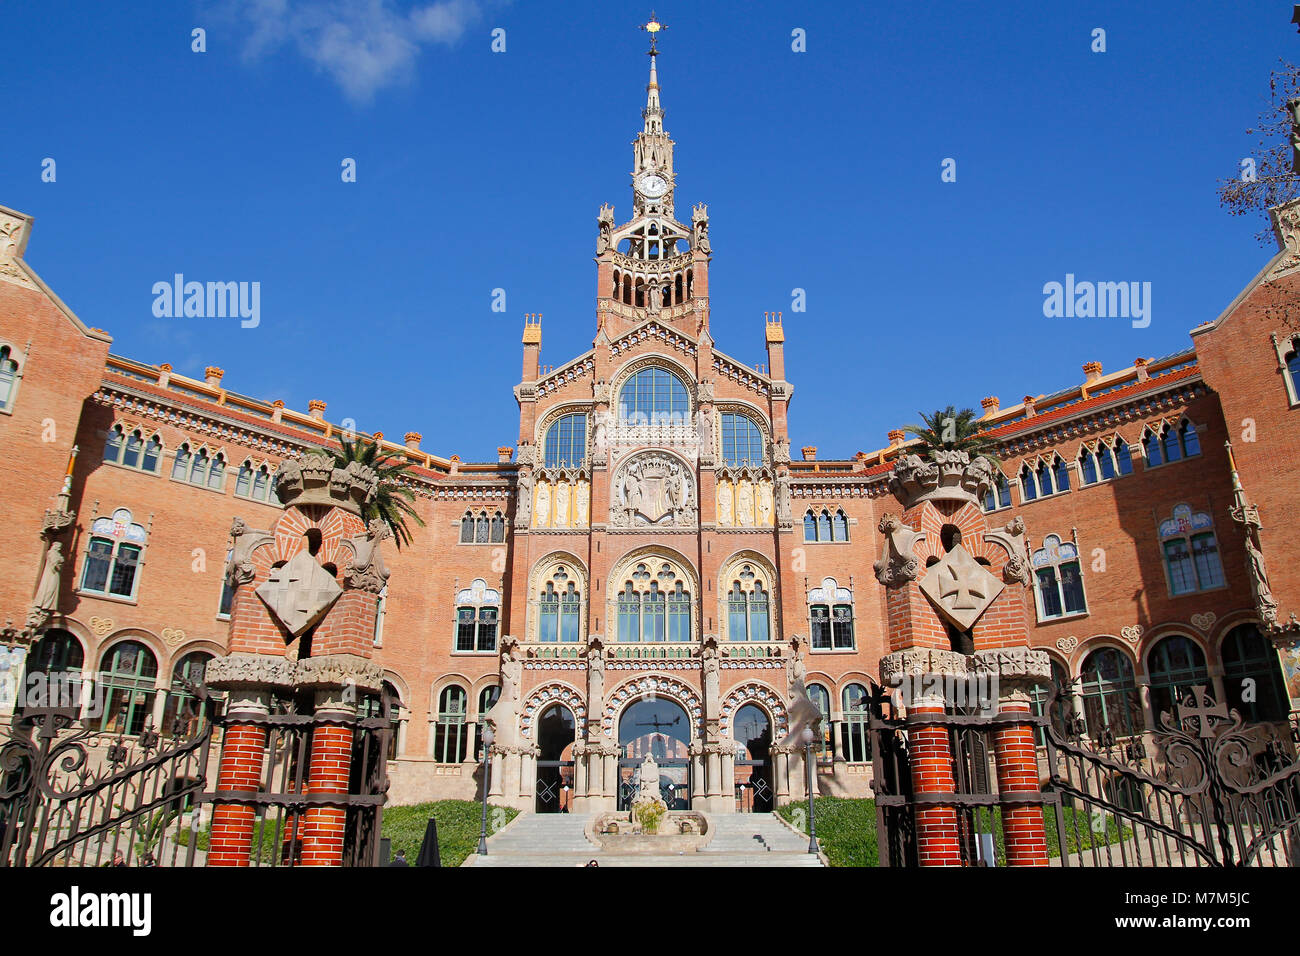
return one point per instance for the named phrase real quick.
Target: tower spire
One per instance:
(653, 114)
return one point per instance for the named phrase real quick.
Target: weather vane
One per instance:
(652, 27)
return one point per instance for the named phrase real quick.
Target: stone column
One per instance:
(250, 680)
(1015, 672)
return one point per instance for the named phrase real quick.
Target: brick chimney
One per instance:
(316, 408)
(378, 437)
(990, 405)
(1092, 370)
(164, 375)
(1029, 406)
(413, 440)
(896, 436)
(278, 414)
(809, 452)
(1141, 365)
(505, 453)
(212, 375)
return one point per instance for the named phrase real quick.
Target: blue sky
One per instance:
(479, 170)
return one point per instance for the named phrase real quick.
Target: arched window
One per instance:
(654, 605)
(1088, 466)
(1188, 438)
(748, 607)
(467, 529)
(1174, 666)
(566, 442)
(809, 526)
(1252, 678)
(127, 674)
(1110, 694)
(254, 483)
(1046, 485)
(1057, 578)
(1151, 448)
(839, 526)
(654, 396)
(1293, 370)
(1061, 474)
(481, 532)
(1191, 551)
(824, 526)
(183, 713)
(1041, 694)
(854, 736)
(559, 609)
(498, 528)
(227, 589)
(449, 737)
(478, 608)
(742, 442)
(998, 495)
(830, 613)
(482, 528)
(821, 698)
(113, 556)
(1123, 459)
(133, 450)
(59, 657)
(199, 468)
(1028, 484)
(8, 377)
(487, 699)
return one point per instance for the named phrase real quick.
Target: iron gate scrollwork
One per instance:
(1207, 789)
(71, 795)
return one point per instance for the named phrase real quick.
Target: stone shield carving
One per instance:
(299, 593)
(653, 489)
(960, 588)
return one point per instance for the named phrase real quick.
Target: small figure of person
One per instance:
(591, 863)
(148, 860)
(118, 859)
(399, 859)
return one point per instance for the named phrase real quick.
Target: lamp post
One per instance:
(808, 759)
(488, 737)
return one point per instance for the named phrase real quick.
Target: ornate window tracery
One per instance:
(1191, 551)
(478, 610)
(1058, 581)
(113, 555)
(654, 604)
(132, 450)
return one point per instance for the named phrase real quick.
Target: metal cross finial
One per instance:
(1200, 706)
(652, 27)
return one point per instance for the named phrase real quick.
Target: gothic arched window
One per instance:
(127, 675)
(1174, 666)
(449, 737)
(8, 377)
(809, 526)
(566, 442)
(132, 450)
(1110, 694)
(999, 494)
(653, 605)
(254, 483)
(1191, 551)
(1252, 677)
(748, 606)
(654, 396)
(830, 614)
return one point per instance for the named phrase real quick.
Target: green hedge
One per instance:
(846, 829)
(458, 827)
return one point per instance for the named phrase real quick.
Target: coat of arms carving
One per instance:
(299, 593)
(653, 489)
(960, 588)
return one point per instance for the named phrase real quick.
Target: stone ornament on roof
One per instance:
(947, 476)
(317, 480)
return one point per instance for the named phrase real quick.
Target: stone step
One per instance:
(645, 859)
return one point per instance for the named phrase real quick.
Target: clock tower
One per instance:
(653, 266)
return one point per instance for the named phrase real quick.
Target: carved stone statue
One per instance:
(524, 497)
(47, 591)
(745, 503)
(783, 499)
(648, 791)
(595, 676)
(543, 503)
(504, 713)
(600, 439)
(801, 710)
(366, 570)
(898, 564)
(712, 670)
(561, 504)
(725, 515)
(1294, 107)
(765, 503)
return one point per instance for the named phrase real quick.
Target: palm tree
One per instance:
(953, 430)
(392, 503)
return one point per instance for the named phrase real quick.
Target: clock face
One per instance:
(652, 186)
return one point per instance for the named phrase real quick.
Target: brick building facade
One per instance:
(649, 569)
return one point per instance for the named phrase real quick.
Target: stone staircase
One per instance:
(558, 839)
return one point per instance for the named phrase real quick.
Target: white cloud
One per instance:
(364, 45)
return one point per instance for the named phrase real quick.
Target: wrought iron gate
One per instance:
(753, 786)
(1207, 789)
(73, 796)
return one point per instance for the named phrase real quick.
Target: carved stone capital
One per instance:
(1011, 538)
(1017, 670)
(920, 661)
(339, 670)
(238, 671)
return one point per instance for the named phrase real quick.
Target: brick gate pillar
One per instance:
(302, 628)
(1013, 673)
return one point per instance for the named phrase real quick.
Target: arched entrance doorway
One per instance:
(752, 730)
(556, 732)
(660, 728)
